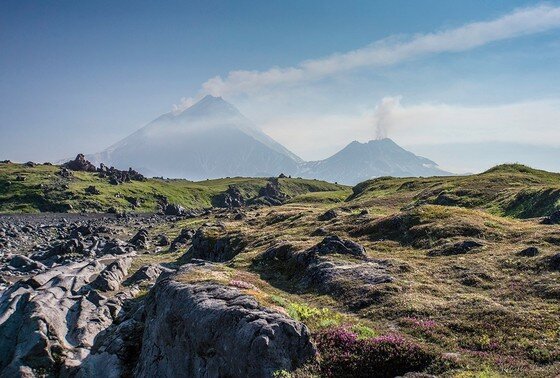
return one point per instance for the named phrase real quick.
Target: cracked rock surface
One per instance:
(210, 330)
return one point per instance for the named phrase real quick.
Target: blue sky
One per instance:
(77, 76)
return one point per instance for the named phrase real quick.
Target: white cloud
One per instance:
(186, 102)
(535, 122)
(528, 122)
(390, 51)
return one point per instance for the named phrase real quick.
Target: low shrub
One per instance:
(313, 317)
(344, 354)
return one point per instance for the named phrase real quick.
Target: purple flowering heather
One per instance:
(344, 355)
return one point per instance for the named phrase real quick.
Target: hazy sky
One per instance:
(76, 76)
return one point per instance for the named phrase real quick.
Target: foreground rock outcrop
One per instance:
(199, 329)
(49, 322)
(212, 330)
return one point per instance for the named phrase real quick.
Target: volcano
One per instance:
(212, 139)
(362, 161)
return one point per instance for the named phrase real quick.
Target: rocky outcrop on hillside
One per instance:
(270, 194)
(115, 176)
(231, 198)
(200, 329)
(215, 243)
(80, 164)
(356, 280)
(213, 330)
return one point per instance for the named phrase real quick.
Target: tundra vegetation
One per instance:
(455, 276)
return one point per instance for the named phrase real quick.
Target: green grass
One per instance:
(324, 197)
(44, 190)
(510, 190)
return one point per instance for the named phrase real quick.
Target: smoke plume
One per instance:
(383, 116)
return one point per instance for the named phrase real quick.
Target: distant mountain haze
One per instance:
(212, 139)
(361, 161)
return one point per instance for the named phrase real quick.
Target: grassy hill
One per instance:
(508, 190)
(41, 188)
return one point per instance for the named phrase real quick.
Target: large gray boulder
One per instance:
(334, 244)
(140, 239)
(204, 329)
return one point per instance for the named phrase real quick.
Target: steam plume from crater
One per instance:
(383, 116)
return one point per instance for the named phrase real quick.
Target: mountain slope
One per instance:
(362, 161)
(211, 139)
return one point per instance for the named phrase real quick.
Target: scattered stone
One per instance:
(81, 230)
(328, 215)
(214, 243)
(147, 274)
(60, 248)
(231, 198)
(65, 173)
(554, 261)
(270, 195)
(114, 247)
(116, 176)
(458, 248)
(239, 216)
(25, 264)
(174, 209)
(112, 210)
(92, 190)
(319, 232)
(529, 252)
(111, 277)
(30, 164)
(334, 244)
(134, 201)
(184, 236)
(140, 240)
(162, 240)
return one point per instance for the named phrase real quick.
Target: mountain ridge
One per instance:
(212, 139)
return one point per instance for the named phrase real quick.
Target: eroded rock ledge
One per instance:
(209, 329)
(49, 322)
(192, 328)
